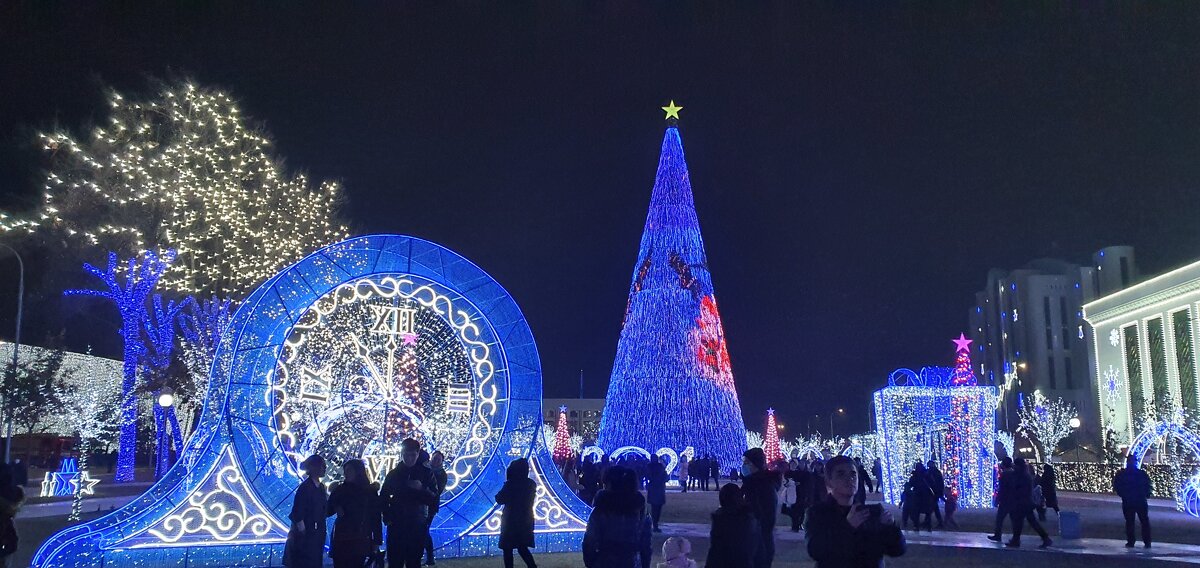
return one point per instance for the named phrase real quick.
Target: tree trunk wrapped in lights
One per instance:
(672, 385)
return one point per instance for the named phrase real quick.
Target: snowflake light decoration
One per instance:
(1112, 386)
(1114, 338)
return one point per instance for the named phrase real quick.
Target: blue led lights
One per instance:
(672, 384)
(225, 500)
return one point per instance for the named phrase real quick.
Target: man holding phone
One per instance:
(842, 533)
(407, 496)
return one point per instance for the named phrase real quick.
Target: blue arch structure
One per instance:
(1187, 497)
(225, 502)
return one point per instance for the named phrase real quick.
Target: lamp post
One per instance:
(831, 415)
(16, 347)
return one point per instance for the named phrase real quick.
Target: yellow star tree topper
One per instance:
(672, 110)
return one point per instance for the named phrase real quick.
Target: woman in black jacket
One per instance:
(516, 524)
(735, 535)
(618, 532)
(844, 534)
(305, 547)
(1049, 484)
(358, 530)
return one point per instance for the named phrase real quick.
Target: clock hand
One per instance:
(364, 355)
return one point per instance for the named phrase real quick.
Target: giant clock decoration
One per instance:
(345, 354)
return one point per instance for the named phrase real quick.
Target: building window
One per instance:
(1158, 364)
(1133, 370)
(1067, 372)
(1124, 271)
(1185, 358)
(1049, 339)
(1050, 371)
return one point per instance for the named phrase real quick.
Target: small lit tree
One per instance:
(771, 438)
(1046, 421)
(90, 409)
(562, 438)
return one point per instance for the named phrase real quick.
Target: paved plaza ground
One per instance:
(1177, 536)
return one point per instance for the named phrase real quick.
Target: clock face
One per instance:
(381, 359)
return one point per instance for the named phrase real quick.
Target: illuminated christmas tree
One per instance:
(958, 437)
(672, 384)
(962, 374)
(562, 438)
(771, 438)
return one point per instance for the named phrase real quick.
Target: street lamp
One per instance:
(166, 398)
(8, 410)
(831, 415)
(1074, 422)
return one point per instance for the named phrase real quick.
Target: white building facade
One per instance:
(1144, 347)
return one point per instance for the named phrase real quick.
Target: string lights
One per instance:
(939, 414)
(562, 438)
(771, 439)
(1046, 421)
(184, 171)
(672, 383)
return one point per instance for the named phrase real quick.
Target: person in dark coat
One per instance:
(436, 461)
(1021, 505)
(800, 477)
(656, 489)
(12, 496)
(1049, 484)
(407, 496)
(516, 523)
(1134, 488)
(864, 481)
(937, 482)
(305, 547)
(760, 486)
(735, 535)
(844, 534)
(917, 499)
(714, 469)
(358, 530)
(618, 532)
(1004, 496)
(877, 471)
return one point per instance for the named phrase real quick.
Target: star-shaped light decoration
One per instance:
(770, 411)
(672, 110)
(89, 484)
(409, 338)
(562, 408)
(962, 343)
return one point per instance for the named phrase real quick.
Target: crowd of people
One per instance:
(825, 497)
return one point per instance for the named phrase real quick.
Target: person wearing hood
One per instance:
(516, 523)
(844, 534)
(618, 532)
(406, 498)
(675, 553)
(735, 535)
(761, 489)
(937, 482)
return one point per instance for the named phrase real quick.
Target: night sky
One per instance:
(856, 172)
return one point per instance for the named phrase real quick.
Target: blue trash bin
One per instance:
(1070, 526)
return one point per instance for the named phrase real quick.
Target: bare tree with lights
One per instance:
(185, 171)
(90, 409)
(1046, 421)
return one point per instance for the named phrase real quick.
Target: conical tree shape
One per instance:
(771, 438)
(562, 438)
(672, 385)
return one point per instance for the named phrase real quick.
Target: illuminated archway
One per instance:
(1187, 496)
